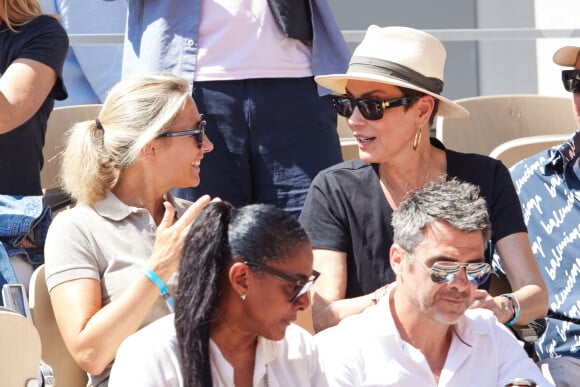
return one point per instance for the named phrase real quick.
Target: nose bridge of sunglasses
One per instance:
(460, 275)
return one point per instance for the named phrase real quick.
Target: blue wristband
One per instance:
(153, 277)
(516, 310)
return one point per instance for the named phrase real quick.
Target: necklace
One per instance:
(383, 177)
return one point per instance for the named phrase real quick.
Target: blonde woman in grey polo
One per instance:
(110, 260)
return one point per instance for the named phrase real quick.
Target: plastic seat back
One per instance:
(54, 352)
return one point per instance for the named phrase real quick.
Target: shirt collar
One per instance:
(466, 330)
(561, 157)
(113, 208)
(266, 352)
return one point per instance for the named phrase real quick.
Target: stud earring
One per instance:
(243, 296)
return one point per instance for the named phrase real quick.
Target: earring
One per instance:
(243, 296)
(417, 138)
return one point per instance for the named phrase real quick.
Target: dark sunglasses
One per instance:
(370, 108)
(302, 287)
(198, 133)
(571, 80)
(442, 272)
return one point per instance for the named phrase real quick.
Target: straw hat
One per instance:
(398, 56)
(566, 56)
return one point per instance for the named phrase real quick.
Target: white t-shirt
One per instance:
(150, 357)
(239, 39)
(367, 350)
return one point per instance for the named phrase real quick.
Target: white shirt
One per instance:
(239, 39)
(367, 350)
(150, 357)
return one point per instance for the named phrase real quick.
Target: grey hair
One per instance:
(454, 202)
(136, 111)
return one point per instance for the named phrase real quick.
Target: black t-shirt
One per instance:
(44, 40)
(346, 210)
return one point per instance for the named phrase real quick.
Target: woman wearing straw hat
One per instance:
(390, 96)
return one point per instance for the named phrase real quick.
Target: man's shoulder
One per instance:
(531, 165)
(356, 328)
(480, 321)
(531, 173)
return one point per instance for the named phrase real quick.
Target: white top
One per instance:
(150, 357)
(367, 350)
(239, 39)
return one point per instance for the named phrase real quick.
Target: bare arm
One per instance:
(328, 303)
(93, 333)
(23, 88)
(524, 278)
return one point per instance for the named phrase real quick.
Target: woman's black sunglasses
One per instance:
(302, 286)
(370, 108)
(571, 80)
(198, 133)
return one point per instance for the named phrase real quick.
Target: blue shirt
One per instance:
(162, 35)
(548, 185)
(90, 70)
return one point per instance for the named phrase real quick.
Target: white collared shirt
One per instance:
(367, 350)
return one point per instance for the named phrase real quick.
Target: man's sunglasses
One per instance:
(571, 80)
(302, 287)
(370, 108)
(198, 133)
(442, 272)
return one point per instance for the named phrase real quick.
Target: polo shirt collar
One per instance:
(111, 207)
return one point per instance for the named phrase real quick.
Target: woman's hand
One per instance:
(171, 236)
(500, 305)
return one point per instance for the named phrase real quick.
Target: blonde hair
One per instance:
(135, 112)
(16, 13)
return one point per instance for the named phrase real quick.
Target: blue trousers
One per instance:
(270, 136)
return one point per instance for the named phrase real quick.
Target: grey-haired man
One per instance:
(423, 333)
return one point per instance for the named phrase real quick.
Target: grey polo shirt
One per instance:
(109, 242)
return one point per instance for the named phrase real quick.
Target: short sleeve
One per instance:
(69, 250)
(321, 215)
(47, 43)
(506, 213)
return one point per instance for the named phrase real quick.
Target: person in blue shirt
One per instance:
(548, 185)
(90, 71)
(251, 74)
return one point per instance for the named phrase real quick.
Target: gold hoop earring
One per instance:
(417, 138)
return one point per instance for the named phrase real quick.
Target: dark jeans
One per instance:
(270, 136)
